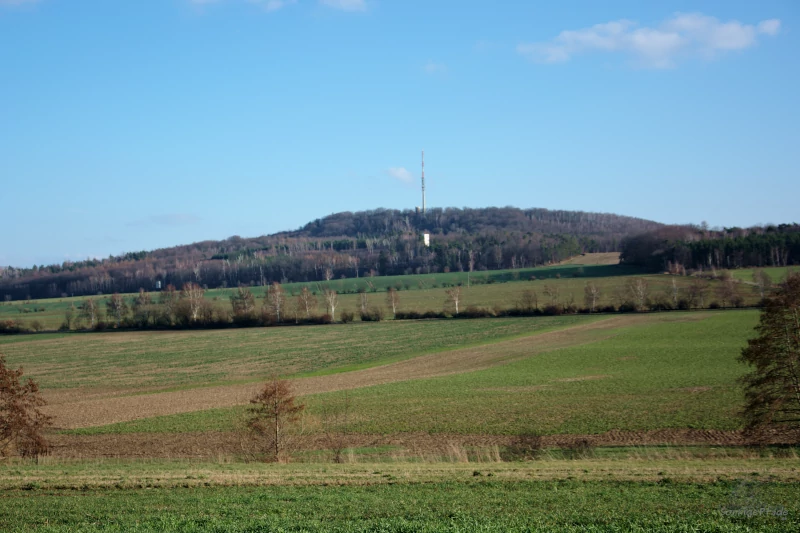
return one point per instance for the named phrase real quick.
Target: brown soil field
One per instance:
(76, 408)
(208, 445)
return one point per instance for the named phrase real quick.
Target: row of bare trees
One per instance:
(190, 306)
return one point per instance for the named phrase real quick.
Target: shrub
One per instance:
(373, 314)
(580, 449)
(11, 326)
(347, 317)
(552, 310)
(476, 312)
(524, 447)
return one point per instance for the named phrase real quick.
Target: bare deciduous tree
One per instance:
(192, 295)
(307, 301)
(116, 308)
(528, 301)
(393, 299)
(675, 293)
(762, 282)
(591, 295)
(696, 292)
(21, 421)
(272, 411)
(144, 312)
(728, 292)
(243, 304)
(69, 317)
(276, 299)
(637, 288)
(551, 291)
(331, 301)
(90, 311)
(454, 296)
(169, 299)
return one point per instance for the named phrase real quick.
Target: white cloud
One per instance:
(346, 5)
(683, 35)
(401, 174)
(769, 27)
(432, 67)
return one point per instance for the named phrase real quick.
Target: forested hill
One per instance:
(381, 222)
(379, 242)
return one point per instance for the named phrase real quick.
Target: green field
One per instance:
(158, 359)
(678, 371)
(393, 505)
(775, 273)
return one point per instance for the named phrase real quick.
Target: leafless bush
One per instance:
(21, 421)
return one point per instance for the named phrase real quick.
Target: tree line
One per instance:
(676, 249)
(344, 245)
(190, 308)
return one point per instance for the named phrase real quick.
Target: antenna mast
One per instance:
(423, 182)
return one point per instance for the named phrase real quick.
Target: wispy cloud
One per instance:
(681, 36)
(400, 174)
(4, 3)
(431, 67)
(346, 5)
(167, 220)
(271, 5)
(267, 5)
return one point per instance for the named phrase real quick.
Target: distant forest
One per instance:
(369, 243)
(678, 248)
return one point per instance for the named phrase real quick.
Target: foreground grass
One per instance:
(179, 358)
(475, 500)
(677, 372)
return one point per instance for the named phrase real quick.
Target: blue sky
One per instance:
(137, 125)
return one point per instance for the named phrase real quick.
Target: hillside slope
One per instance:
(378, 242)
